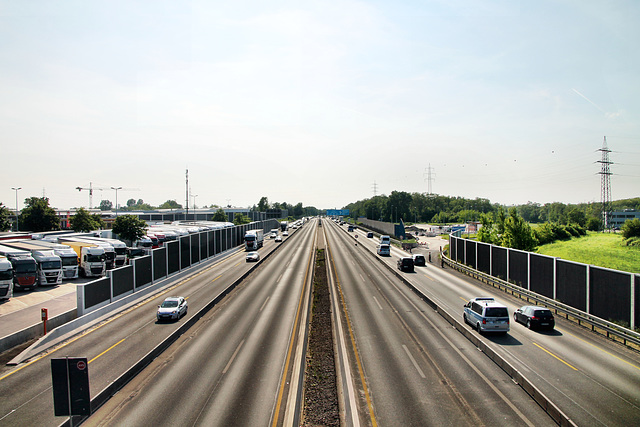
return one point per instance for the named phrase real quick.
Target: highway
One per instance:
(592, 380)
(117, 344)
(232, 369)
(239, 364)
(416, 368)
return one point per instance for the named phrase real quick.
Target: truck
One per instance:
(67, 255)
(108, 249)
(119, 247)
(6, 278)
(91, 258)
(253, 239)
(284, 225)
(49, 265)
(25, 269)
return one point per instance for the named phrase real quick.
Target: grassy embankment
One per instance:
(601, 249)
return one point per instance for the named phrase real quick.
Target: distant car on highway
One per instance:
(172, 308)
(285, 233)
(278, 238)
(419, 260)
(535, 317)
(253, 256)
(405, 264)
(370, 234)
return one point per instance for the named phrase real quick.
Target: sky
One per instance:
(320, 102)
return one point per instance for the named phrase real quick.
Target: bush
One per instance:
(631, 228)
(632, 241)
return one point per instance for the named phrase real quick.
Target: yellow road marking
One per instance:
(116, 316)
(602, 350)
(107, 350)
(374, 423)
(547, 351)
(291, 341)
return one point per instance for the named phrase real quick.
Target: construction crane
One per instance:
(91, 188)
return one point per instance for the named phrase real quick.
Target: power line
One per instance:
(429, 179)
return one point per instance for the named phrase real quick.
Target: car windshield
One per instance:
(496, 312)
(169, 304)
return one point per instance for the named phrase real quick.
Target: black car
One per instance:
(405, 263)
(370, 235)
(535, 317)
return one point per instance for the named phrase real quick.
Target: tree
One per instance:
(630, 228)
(170, 204)
(517, 232)
(594, 224)
(576, 216)
(129, 227)
(487, 233)
(240, 218)
(263, 204)
(131, 202)
(106, 205)
(83, 221)
(5, 214)
(38, 215)
(220, 216)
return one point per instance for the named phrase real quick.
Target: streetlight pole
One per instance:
(17, 222)
(116, 188)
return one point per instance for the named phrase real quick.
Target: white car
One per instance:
(285, 233)
(253, 256)
(278, 238)
(172, 308)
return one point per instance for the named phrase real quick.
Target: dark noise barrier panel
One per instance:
(173, 257)
(159, 263)
(122, 279)
(519, 268)
(142, 269)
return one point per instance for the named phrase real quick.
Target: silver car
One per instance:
(172, 308)
(253, 256)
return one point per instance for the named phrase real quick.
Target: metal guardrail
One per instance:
(609, 329)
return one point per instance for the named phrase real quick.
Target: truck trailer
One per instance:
(67, 255)
(6, 278)
(25, 269)
(253, 239)
(49, 264)
(91, 258)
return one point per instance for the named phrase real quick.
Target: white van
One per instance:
(383, 250)
(486, 315)
(385, 240)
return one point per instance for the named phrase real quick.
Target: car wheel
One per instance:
(464, 317)
(515, 318)
(478, 328)
(529, 324)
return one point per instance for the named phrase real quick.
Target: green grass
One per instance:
(601, 249)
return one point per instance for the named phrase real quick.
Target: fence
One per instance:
(608, 294)
(173, 257)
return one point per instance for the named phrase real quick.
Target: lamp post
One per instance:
(17, 222)
(116, 188)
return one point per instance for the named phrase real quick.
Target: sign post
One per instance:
(70, 380)
(44, 313)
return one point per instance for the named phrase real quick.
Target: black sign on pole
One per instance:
(70, 379)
